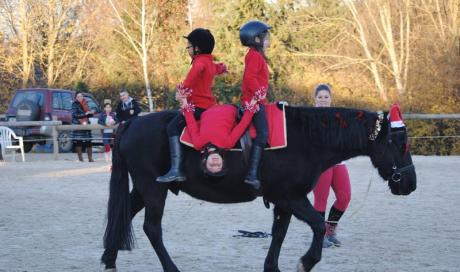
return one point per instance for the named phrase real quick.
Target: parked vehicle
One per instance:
(41, 104)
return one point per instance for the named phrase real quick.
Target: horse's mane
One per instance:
(337, 128)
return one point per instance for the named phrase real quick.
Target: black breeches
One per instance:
(261, 125)
(177, 124)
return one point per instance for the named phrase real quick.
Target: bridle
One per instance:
(398, 172)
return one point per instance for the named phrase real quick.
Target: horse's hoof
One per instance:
(300, 267)
(110, 270)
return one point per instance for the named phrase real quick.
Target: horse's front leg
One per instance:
(303, 210)
(281, 221)
(110, 256)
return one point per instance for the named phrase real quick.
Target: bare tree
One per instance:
(391, 21)
(141, 38)
(19, 22)
(382, 31)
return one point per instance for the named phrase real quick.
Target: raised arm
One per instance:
(249, 110)
(188, 110)
(239, 129)
(221, 68)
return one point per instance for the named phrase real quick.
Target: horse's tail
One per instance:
(118, 233)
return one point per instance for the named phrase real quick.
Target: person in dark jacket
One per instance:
(127, 108)
(107, 118)
(80, 116)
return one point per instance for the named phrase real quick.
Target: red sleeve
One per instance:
(194, 130)
(251, 72)
(194, 74)
(239, 129)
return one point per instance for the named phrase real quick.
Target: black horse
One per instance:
(318, 138)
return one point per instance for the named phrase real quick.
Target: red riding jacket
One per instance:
(255, 77)
(217, 126)
(200, 78)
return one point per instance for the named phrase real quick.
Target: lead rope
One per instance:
(365, 196)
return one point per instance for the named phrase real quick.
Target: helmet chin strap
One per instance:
(196, 50)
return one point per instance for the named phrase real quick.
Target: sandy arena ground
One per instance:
(52, 219)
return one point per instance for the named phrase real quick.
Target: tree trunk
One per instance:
(145, 58)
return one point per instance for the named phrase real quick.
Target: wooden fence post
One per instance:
(55, 140)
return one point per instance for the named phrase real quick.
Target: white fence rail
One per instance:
(58, 126)
(424, 116)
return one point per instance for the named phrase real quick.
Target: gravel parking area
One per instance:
(52, 219)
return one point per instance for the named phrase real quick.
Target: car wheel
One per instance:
(65, 142)
(27, 111)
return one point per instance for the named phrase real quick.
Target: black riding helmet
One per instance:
(203, 39)
(251, 30)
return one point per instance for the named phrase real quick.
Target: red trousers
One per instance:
(337, 178)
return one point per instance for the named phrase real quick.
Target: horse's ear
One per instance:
(395, 116)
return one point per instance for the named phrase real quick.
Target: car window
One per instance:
(92, 104)
(33, 96)
(66, 101)
(57, 103)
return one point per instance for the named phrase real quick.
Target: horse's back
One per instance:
(144, 139)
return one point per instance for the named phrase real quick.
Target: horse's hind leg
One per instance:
(152, 226)
(281, 221)
(110, 256)
(303, 210)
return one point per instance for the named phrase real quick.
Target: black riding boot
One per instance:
(175, 173)
(251, 178)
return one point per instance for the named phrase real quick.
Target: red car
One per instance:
(40, 104)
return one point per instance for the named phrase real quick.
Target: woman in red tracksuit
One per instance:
(255, 35)
(198, 85)
(335, 177)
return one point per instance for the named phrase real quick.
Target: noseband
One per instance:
(398, 172)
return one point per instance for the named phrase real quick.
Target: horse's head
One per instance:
(390, 153)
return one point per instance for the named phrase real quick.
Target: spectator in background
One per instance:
(1, 155)
(335, 177)
(107, 118)
(127, 107)
(80, 116)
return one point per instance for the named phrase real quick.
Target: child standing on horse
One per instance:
(197, 86)
(256, 36)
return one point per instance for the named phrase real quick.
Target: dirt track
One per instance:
(52, 219)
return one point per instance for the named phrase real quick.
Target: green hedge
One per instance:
(431, 129)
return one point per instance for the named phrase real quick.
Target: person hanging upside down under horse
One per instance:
(199, 79)
(218, 130)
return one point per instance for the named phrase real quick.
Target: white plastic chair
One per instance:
(6, 140)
